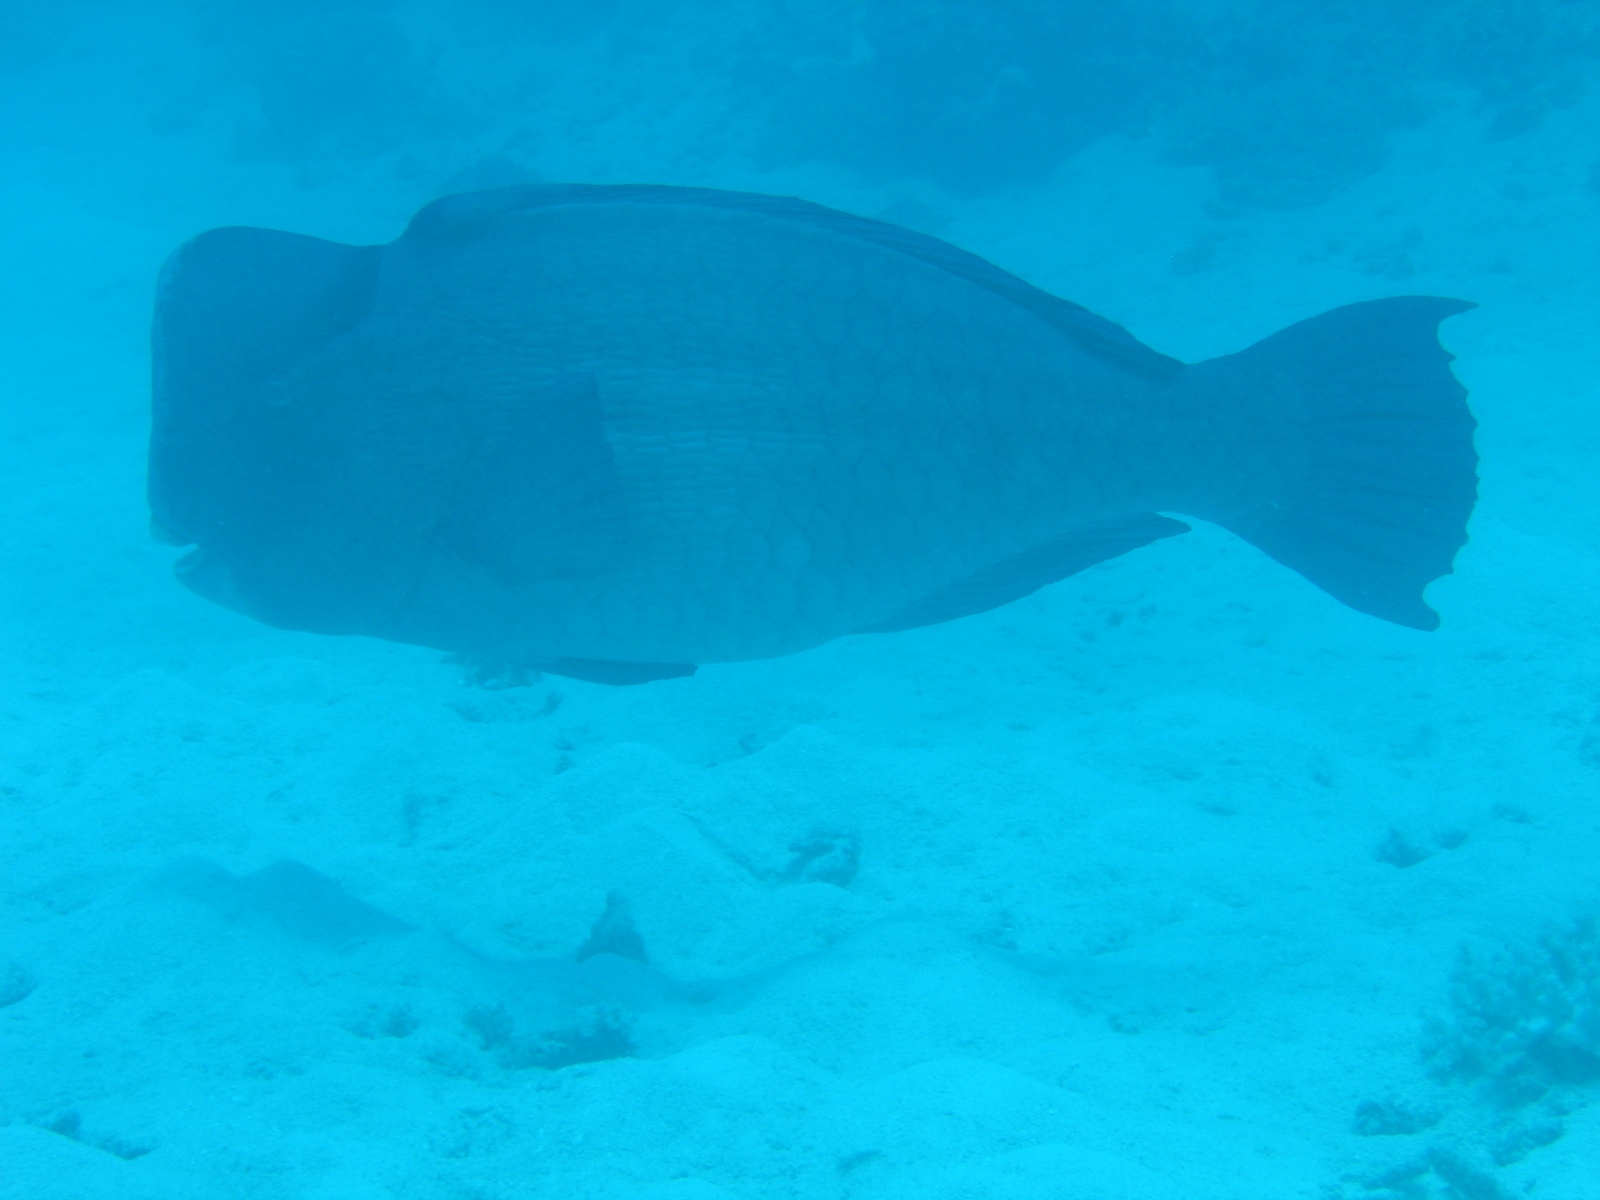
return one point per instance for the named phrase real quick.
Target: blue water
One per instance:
(1176, 879)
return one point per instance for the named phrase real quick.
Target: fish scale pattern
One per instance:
(812, 432)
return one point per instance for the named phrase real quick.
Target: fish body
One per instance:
(620, 431)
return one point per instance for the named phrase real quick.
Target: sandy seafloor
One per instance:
(1175, 879)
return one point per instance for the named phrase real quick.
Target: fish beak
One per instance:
(208, 577)
(168, 537)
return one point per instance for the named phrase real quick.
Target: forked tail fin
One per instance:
(1393, 474)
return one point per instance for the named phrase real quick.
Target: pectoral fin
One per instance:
(539, 498)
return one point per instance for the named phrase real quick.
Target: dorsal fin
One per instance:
(463, 215)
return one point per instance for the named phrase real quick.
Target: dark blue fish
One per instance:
(615, 431)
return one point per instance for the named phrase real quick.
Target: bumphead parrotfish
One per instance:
(611, 432)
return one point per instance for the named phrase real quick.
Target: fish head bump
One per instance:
(257, 419)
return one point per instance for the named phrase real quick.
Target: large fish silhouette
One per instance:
(612, 432)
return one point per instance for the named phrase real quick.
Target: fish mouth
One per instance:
(168, 536)
(205, 574)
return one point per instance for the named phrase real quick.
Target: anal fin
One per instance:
(617, 674)
(1012, 578)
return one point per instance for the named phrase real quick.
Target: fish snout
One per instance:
(207, 575)
(168, 536)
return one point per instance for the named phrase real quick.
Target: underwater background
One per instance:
(1173, 880)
